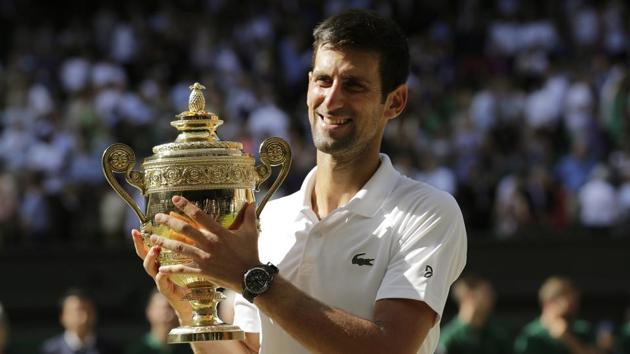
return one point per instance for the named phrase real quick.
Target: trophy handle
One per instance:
(274, 151)
(120, 158)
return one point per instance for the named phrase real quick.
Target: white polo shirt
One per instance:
(396, 238)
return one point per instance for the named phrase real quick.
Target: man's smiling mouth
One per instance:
(333, 121)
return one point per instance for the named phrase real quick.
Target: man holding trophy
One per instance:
(361, 258)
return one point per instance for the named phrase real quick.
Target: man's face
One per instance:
(78, 315)
(344, 101)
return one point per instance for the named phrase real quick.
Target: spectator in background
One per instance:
(4, 331)
(605, 337)
(35, 210)
(623, 200)
(161, 319)
(8, 206)
(623, 339)
(436, 174)
(579, 108)
(512, 210)
(78, 318)
(574, 169)
(557, 330)
(472, 331)
(598, 202)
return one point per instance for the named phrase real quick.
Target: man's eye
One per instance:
(323, 81)
(354, 87)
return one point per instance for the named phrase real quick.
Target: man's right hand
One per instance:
(172, 292)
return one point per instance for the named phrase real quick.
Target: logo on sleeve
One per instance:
(362, 261)
(428, 271)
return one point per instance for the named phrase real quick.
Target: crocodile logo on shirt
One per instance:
(362, 261)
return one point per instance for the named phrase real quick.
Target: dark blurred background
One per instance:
(520, 109)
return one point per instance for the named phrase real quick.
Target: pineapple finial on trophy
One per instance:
(196, 124)
(196, 101)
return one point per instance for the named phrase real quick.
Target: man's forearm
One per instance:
(324, 329)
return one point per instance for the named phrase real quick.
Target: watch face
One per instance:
(257, 280)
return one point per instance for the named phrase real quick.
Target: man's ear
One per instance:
(396, 101)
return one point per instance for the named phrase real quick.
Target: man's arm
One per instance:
(399, 325)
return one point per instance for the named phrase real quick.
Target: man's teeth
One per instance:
(335, 121)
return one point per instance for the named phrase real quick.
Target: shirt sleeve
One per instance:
(431, 253)
(246, 315)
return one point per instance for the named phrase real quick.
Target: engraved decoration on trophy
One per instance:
(217, 176)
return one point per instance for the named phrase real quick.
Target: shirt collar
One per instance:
(369, 198)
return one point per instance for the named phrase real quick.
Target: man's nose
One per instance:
(334, 97)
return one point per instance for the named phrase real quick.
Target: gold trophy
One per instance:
(217, 176)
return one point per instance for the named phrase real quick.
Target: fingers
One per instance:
(150, 263)
(179, 269)
(164, 285)
(198, 215)
(179, 247)
(182, 227)
(250, 222)
(138, 244)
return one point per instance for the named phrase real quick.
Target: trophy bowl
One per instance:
(215, 175)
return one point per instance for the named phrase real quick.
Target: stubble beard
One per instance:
(332, 146)
(338, 147)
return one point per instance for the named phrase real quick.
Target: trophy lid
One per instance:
(198, 159)
(197, 129)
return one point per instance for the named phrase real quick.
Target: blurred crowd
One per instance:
(520, 109)
(557, 329)
(78, 318)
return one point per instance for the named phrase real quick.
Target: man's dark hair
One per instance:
(367, 31)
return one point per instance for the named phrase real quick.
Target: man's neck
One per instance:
(337, 181)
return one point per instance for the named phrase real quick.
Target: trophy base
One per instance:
(187, 334)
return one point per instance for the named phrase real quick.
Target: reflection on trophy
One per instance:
(217, 176)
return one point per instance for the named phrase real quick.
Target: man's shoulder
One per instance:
(411, 191)
(420, 201)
